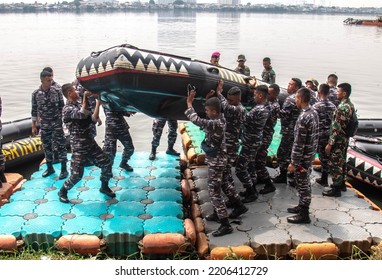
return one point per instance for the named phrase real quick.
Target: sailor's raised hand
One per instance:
(190, 97)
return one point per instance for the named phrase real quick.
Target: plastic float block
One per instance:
(131, 195)
(83, 224)
(166, 172)
(140, 162)
(127, 208)
(138, 172)
(163, 225)
(28, 194)
(165, 208)
(165, 195)
(38, 183)
(132, 183)
(17, 208)
(90, 208)
(167, 164)
(52, 208)
(166, 183)
(11, 225)
(92, 194)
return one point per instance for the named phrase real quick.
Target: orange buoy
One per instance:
(189, 228)
(199, 224)
(8, 243)
(182, 127)
(242, 252)
(316, 251)
(202, 244)
(191, 155)
(163, 243)
(186, 191)
(195, 211)
(186, 140)
(316, 161)
(83, 244)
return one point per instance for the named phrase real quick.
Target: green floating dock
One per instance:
(148, 200)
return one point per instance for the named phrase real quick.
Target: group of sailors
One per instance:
(314, 118)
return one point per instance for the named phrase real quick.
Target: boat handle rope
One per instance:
(96, 54)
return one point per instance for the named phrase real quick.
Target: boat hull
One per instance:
(154, 83)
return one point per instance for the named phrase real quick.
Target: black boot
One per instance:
(343, 187)
(301, 218)
(64, 172)
(323, 181)
(63, 195)
(153, 153)
(106, 190)
(294, 210)
(238, 210)
(268, 188)
(125, 165)
(3, 179)
(244, 193)
(334, 191)
(225, 228)
(171, 151)
(251, 196)
(213, 217)
(281, 178)
(49, 170)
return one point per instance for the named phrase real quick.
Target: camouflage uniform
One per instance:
(215, 137)
(333, 96)
(83, 144)
(252, 140)
(91, 101)
(303, 152)
(325, 110)
(269, 76)
(117, 129)
(261, 158)
(288, 114)
(234, 116)
(48, 106)
(245, 71)
(313, 98)
(339, 142)
(158, 125)
(2, 163)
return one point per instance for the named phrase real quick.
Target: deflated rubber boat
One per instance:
(154, 83)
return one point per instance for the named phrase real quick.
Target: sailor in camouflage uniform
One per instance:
(332, 82)
(47, 104)
(216, 158)
(288, 115)
(118, 129)
(268, 75)
(3, 179)
(241, 67)
(78, 119)
(252, 140)
(158, 125)
(234, 113)
(325, 110)
(303, 152)
(338, 141)
(261, 157)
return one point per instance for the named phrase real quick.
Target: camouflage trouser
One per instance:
(337, 162)
(245, 167)
(110, 146)
(158, 125)
(284, 151)
(215, 175)
(324, 158)
(2, 162)
(54, 138)
(81, 151)
(261, 162)
(303, 187)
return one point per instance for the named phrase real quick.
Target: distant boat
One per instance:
(352, 21)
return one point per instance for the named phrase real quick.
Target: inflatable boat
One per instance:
(18, 146)
(155, 83)
(353, 21)
(364, 157)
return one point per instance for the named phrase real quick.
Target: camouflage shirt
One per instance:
(305, 138)
(269, 76)
(269, 127)
(289, 114)
(254, 123)
(340, 121)
(245, 71)
(48, 105)
(325, 110)
(115, 119)
(214, 130)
